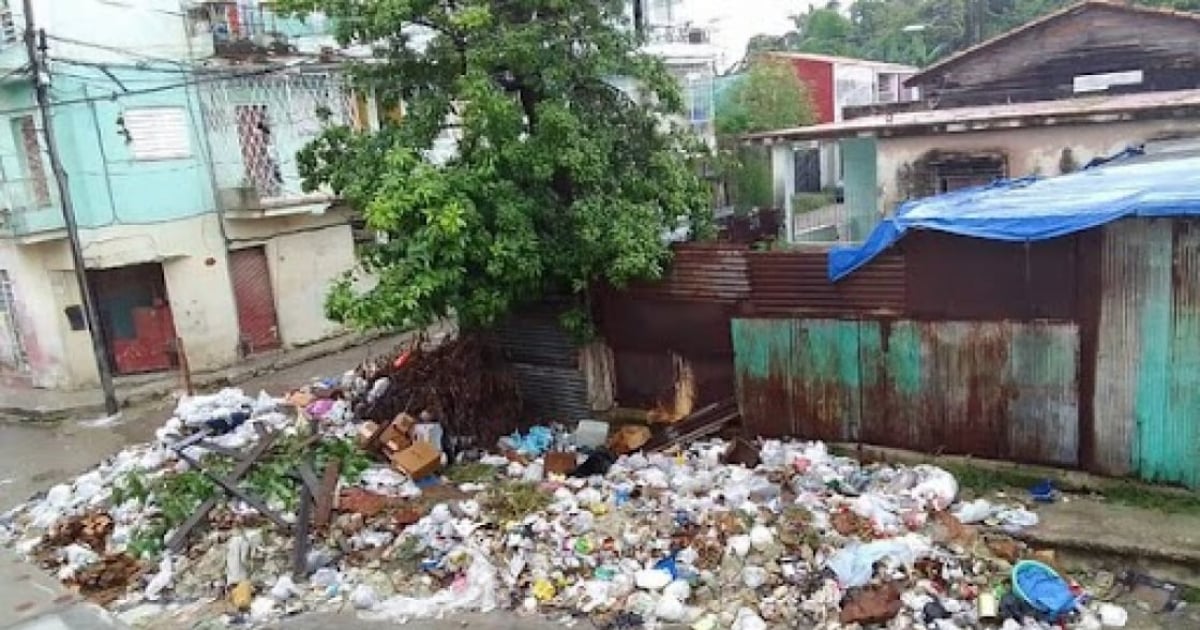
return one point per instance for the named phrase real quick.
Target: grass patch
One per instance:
(1140, 496)
(984, 481)
(470, 473)
(514, 500)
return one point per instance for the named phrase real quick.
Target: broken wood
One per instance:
(266, 441)
(324, 497)
(708, 421)
(230, 487)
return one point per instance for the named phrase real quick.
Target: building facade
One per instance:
(178, 134)
(1044, 99)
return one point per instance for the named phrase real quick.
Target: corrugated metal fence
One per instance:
(1082, 351)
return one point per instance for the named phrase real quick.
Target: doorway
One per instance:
(258, 324)
(135, 315)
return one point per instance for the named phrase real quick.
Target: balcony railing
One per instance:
(238, 28)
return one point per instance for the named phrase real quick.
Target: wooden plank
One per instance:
(230, 486)
(183, 531)
(324, 498)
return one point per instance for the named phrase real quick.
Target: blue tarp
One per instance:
(1033, 209)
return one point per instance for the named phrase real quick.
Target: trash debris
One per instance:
(410, 488)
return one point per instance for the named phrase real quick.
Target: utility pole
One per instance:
(35, 45)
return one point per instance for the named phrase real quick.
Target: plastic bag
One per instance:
(1016, 519)
(747, 619)
(161, 580)
(855, 563)
(936, 488)
(974, 512)
(476, 591)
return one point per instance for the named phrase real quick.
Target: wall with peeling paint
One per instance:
(1027, 151)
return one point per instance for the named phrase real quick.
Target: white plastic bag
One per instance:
(476, 593)
(161, 580)
(976, 511)
(854, 564)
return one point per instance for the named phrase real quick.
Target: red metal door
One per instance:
(257, 322)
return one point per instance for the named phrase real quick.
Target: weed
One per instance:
(470, 473)
(514, 500)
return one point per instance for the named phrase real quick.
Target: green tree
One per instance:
(560, 180)
(769, 96)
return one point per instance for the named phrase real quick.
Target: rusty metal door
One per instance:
(257, 322)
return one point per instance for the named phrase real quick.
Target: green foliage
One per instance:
(808, 202)
(751, 182)
(770, 96)
(177, 495)
(560, 179)
(915, 32)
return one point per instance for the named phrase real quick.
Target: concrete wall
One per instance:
(1031, 151)
(305, 253)
(37, 314)
(195, 270)
(303, 266)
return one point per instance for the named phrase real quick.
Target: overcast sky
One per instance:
(734, 22)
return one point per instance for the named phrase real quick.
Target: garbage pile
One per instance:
(246, 509)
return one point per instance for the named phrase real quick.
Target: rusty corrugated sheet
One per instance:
(1177, 440)
(701, 272)
(1167, 396)
(992, 389)
(645, 332)
(791, 282)
(956, 277)
(1135, 254)
(546, 363)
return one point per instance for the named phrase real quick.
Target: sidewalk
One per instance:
(46, 404)
(32, 600)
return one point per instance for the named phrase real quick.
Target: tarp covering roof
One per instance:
(1032, 209)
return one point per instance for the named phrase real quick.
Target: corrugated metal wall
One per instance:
(546, 362)
(1004, 390)
(798, 281)
(1147, 397)
(1148, 392)
(1081, 351)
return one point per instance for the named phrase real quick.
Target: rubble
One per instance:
(554, 520)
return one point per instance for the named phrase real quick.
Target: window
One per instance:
(967, 172)
(258, 152)
(699, 99)
(157, 133)
(29, 154)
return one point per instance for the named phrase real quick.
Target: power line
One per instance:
(152, 90)
(113, 49)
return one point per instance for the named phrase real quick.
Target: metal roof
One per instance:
(1071, 10)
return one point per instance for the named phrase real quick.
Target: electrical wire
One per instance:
(113, 49)
(153, 90)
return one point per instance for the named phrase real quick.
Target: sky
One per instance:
(734, 22)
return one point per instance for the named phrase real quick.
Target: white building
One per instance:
(178, 126)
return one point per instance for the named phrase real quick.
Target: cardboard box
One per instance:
(397, 436)
(628, 439)
(561, 463)
(418, 461)
(365, 431)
